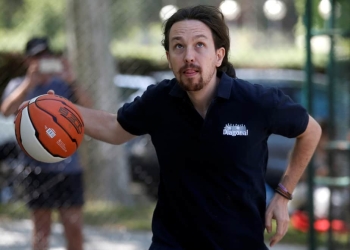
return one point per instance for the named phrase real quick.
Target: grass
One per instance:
(139, 217)
(16, 210)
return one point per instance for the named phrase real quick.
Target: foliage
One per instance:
(30, 18)
(34, 17)
(43, 17)
(126, 15)
(342, 22)
(136, 32)
(8, 13)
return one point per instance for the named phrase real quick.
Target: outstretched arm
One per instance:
(104, 126)
(303, 150)
(100, 125)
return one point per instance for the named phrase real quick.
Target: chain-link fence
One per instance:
(114, 49)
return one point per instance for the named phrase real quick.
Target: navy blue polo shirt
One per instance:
(211, 193)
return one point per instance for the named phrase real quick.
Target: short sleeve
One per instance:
(11, 86)
(288, 118)
(138, 117)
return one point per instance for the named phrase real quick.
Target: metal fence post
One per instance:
(307, 100)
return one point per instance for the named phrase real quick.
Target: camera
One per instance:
(50, 66)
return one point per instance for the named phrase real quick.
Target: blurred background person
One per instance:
(49, 186)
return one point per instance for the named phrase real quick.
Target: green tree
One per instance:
(41, 17)
(8, 10)
(342, 21)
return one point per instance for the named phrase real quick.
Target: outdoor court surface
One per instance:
(16, 235)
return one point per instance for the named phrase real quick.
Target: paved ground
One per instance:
(15, 235)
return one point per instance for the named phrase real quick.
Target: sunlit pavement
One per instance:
(16, 235)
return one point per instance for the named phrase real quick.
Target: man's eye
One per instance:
(178, 46)
(200, 45)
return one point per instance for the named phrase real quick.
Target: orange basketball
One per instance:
(49, 128)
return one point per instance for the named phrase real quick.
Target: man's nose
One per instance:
(189, 55)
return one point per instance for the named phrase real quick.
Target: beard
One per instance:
(192, 84)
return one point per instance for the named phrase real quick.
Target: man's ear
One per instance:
(168, 58)
(220, 54)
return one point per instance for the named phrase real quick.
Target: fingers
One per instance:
(50, 92)
(268, 221)
(23, 105)
(281, 230)
(277, 210)
(33, 67)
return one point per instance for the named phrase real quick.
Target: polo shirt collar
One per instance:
(223, 91)
(176, 90)
(225, 86)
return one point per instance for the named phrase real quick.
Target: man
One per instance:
(210, 132)
(57, 185)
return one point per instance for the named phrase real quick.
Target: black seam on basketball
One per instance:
(72, 118)
(37, 136)
(71, 110)
(55, 119)
(20, 137)
(37, 133)
(62, 101)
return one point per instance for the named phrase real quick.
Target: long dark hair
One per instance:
(214, 19)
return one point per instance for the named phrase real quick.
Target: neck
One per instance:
(201, 99)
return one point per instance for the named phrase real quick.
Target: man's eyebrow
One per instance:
(201, 36)
(177, 38)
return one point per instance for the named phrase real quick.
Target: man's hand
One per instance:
(277, 210)
(50, 92)
(33, 76)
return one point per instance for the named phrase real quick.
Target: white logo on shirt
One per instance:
(235, 130)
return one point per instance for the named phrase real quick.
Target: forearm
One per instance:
(10, 105)
(301, 155)
(103, 126)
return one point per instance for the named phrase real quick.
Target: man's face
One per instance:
(35, 67)
(35, 59)
(192, 55)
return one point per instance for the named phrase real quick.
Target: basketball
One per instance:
(49, 128)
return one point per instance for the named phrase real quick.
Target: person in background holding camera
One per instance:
(55, 185)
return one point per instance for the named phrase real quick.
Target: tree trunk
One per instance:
(88, 32)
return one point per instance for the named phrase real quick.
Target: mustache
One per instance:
(189, 66)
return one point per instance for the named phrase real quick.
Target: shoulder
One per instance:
(159, 90)
(11, 86)
(15, 82)
(255, 93)
(164, 86)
